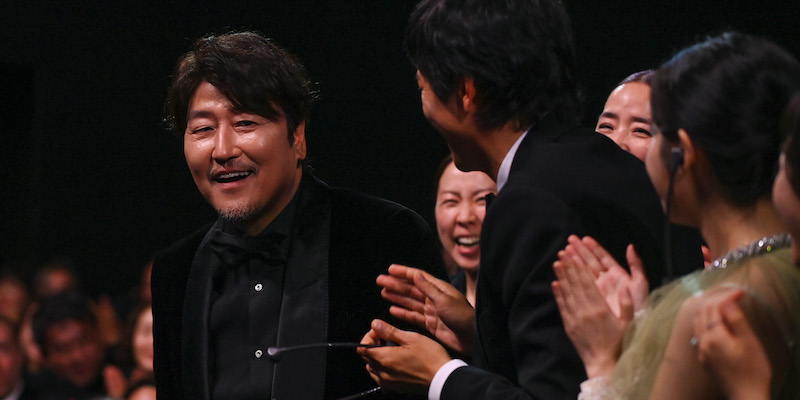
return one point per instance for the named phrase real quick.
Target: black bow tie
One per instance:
(234, 250)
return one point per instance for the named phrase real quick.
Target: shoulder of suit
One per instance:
(182, 249)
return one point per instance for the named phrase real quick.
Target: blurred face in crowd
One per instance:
(143, 340)
(73, 351)
(13, 299)
(626, 118)
(55, 281)
(10, 360)
(460, 208)
(244, 164)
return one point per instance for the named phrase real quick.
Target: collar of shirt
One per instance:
(505, 166)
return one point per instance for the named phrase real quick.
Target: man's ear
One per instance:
(468, 95)
(299, 137)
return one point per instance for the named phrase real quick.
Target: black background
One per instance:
(89, 172)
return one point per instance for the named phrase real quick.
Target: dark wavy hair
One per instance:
(256, 76)
(520, 55)
(728, 93)
(790, 126)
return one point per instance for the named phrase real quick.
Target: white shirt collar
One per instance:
(505, 166)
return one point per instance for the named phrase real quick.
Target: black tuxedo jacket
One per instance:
(563, 180)
(342, 241)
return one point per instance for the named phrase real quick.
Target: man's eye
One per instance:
(201, 129)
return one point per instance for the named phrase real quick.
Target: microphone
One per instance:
(275, 353)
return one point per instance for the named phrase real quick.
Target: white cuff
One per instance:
(437, 383)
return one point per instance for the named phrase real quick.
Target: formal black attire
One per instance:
(339, 242)
(563, 180)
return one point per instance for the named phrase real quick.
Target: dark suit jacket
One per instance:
(341, 241)
(564, 180)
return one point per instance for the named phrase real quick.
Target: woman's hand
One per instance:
(595, 299)
(728, 347)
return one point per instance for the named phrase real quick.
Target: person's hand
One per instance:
(728, 347)
(115, 381)
(431, 303)
(612, 279)
(108, 324)
(594, 328)
(408, 367)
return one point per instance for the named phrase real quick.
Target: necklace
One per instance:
(754, 248)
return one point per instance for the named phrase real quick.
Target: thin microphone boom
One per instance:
(274, 353)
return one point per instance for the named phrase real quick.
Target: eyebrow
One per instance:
(198, 114)
(608, 114)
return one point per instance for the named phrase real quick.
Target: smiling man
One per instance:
(289, 262)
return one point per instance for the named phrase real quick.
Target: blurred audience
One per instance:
(14, 295)
(12, 372)
(137, 377)
(73, 355)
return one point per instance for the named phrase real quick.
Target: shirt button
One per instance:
(259, 353)
(259, 287)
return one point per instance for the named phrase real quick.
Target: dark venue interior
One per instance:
(89, 172)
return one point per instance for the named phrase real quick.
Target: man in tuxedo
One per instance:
(289, 262)
(496, 81)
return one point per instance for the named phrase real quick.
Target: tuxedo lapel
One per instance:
(195, 332)
(304, 309)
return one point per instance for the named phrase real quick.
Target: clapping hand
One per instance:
(430, 303)
(596, 298)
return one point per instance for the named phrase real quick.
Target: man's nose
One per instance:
(226, 145)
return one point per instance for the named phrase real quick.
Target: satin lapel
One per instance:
(304, 310)
(194, 337)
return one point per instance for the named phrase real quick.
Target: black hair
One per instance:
(790, 126)
(645, 77)
(437, 175)
(254, 74)
(520, 55)
(727, 93)
(66, 306)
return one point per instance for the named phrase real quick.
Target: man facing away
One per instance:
(289, 262)
(496, 81)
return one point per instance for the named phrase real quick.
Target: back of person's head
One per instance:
(790, 126)
(519, 53)
(727, 93)
(54, 277)
(254, 74)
